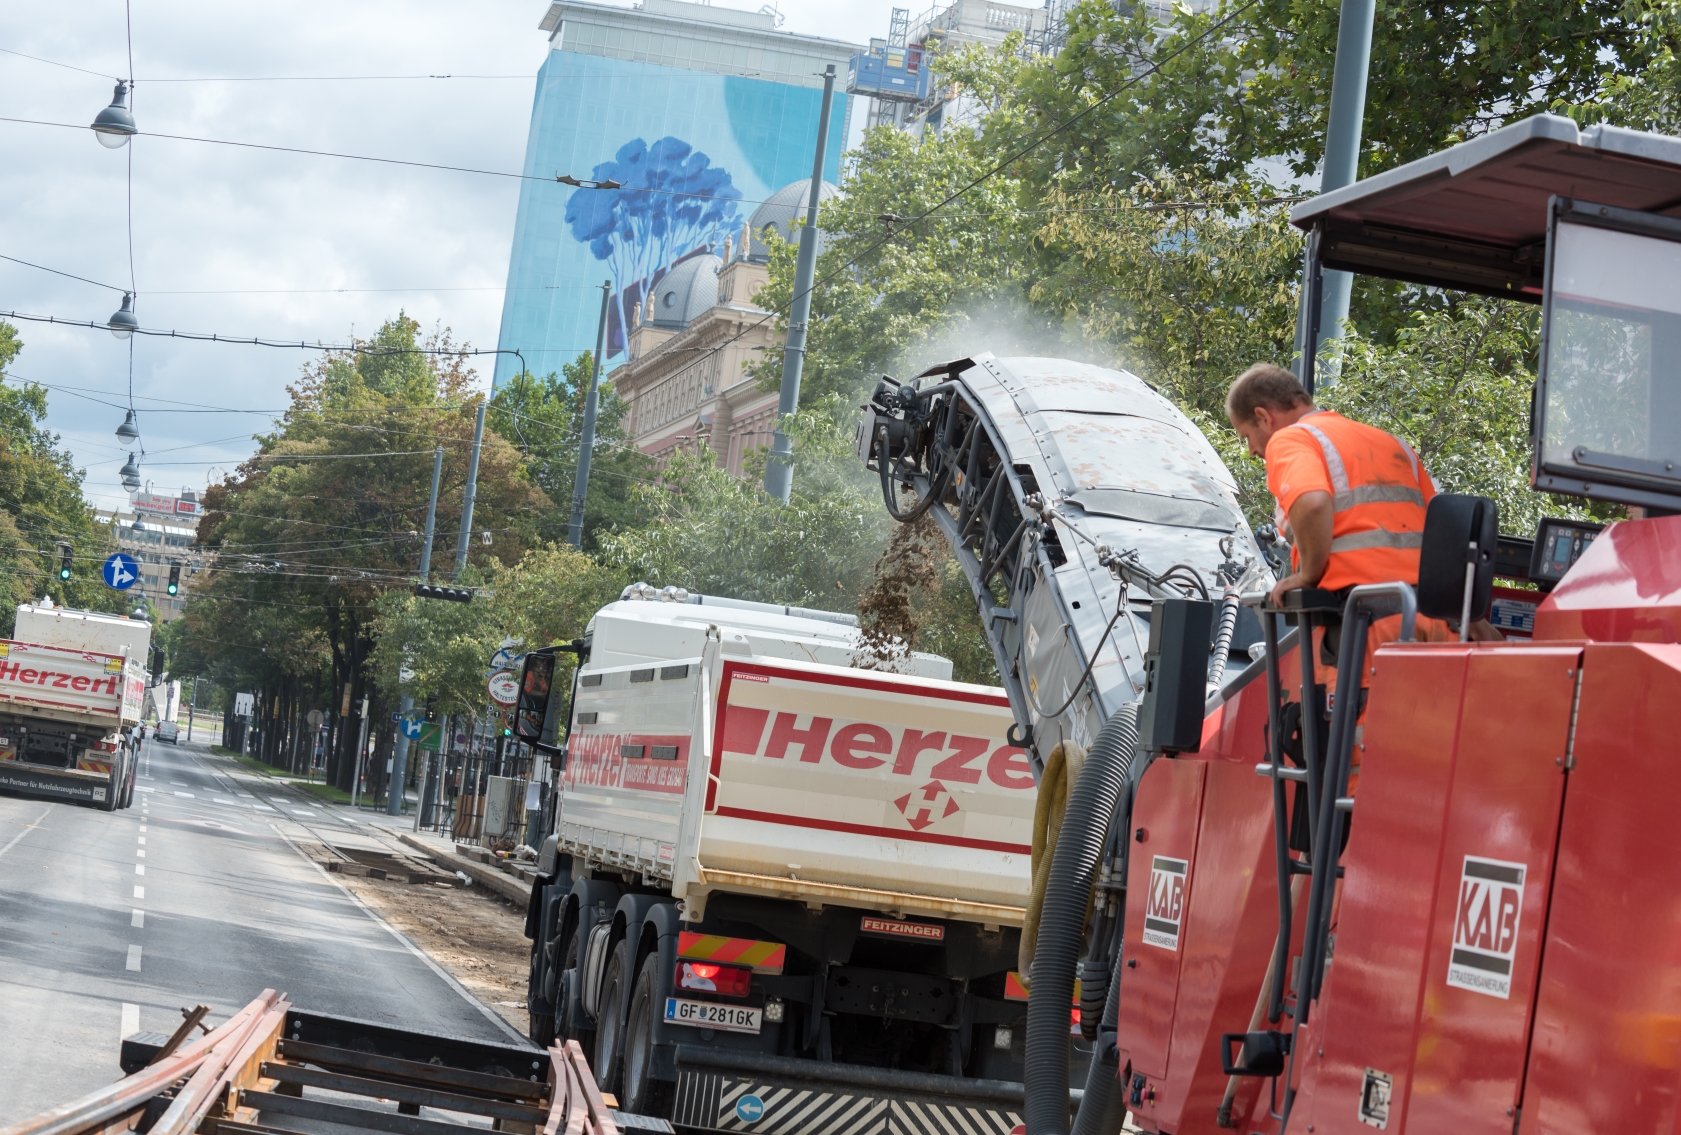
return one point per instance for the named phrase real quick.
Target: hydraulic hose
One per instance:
(1062, 919)
(1223, 639)
(1103, 1109)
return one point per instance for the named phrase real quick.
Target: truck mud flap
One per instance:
(724, 1090)
(30, 781)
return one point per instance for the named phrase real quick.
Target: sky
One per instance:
(250, 243)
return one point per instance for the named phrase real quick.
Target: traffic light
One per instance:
(64, 559)
(174, 579)
(431, 707)
(453, 594)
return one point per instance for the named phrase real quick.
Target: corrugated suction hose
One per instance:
(1103, 1109)
(1061, 926)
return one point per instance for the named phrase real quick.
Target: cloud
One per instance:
(280, 246)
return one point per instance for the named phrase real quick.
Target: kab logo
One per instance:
(1164, 906)
(1485, 926)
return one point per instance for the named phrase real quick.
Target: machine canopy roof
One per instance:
(1474, 217)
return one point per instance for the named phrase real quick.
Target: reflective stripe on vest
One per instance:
(1344, 497)
(1376, 538)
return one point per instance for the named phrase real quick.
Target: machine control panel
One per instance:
(1558, 545)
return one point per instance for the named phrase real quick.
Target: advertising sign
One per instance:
(691, 155)
(167, 506)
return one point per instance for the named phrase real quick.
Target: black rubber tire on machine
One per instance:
(610, 1018)
(643, 1094)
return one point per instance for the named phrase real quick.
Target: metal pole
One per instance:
(467, 498)
(361, 755)
(586, 443)
(400, 754)
(779, 470)
(1342, 148)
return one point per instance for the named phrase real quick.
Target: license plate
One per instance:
(706, 1015)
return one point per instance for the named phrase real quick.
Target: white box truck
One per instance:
(72, 684)
(783, 887)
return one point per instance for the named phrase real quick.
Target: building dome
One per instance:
(686, 291)
(781, 210)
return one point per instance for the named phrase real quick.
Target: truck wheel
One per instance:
(567, 995)
(610, 1026)
(643, 1094)
(541, 1031)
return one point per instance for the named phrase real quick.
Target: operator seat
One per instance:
(1461, 533)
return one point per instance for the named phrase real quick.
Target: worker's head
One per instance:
(1263, 400)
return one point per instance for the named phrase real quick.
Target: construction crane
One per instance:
(1476, 934)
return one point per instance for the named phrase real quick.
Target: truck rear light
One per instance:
(709, 977)
(775, 1010)
(105, 746)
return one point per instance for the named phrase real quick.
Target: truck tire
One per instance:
(542, 1030)
(610, 1026)
(567, 1006)
(644, 1095)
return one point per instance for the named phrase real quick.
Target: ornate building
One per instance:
(687, 377)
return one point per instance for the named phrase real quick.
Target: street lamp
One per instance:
(130, 429)
(123, 322)
(130, 473)
(115, 125)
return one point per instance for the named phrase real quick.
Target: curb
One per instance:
(509, 888)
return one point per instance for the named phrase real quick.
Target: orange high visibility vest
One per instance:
(1378, 490)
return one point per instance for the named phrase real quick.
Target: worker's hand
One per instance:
(1291, 582)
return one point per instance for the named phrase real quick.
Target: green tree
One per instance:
(41, 504)
(543, 419)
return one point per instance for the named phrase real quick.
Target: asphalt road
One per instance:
(111, 922)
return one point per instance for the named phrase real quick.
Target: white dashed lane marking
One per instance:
(188, 795)
(134, 958)
(139, 868)
(139, 918)
(139, 892)
(131, 1021)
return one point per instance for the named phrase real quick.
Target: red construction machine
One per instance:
(1446, 902)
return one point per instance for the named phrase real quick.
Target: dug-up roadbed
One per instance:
(476, 936)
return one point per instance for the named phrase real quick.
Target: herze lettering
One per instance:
(865, 746)
(30, 676)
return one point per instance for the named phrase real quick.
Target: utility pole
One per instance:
(400, 758)
(1342, 160)
(467, 498)
(586, 443)
(779, 470)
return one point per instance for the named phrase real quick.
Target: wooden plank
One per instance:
(327, 1056)
(405, 1093)
(270, 1104)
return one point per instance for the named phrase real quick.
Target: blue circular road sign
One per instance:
(121, 571)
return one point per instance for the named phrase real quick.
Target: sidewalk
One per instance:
(509, 879)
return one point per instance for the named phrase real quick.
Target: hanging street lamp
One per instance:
(115, 125)
(123, 321)
(130, 429)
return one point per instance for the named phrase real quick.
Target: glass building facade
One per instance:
(697, 113)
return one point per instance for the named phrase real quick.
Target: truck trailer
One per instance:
(785, 879)
(72, 684)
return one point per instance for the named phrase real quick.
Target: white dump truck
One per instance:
(72, 684)
(784, 881)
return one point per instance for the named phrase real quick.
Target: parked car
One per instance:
(169, 731)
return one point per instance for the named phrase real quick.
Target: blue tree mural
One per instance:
(673, 201)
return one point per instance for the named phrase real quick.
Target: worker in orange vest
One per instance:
(1351, 499)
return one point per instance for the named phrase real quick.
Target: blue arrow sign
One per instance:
(412, 728)
(121, 571)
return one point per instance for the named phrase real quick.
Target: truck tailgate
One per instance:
(870, 781)
(68, 681)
